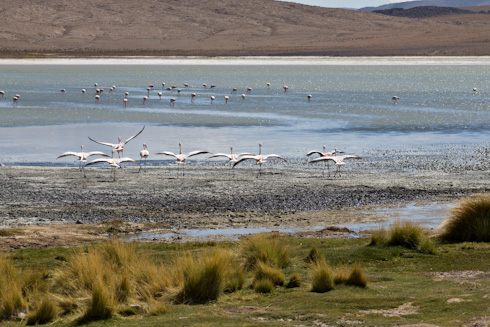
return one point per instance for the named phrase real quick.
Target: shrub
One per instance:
(469, 221)
(322, 277)
(357, 276)
(263, 286)
(294, 281)
(234, 280)
(204, 279)
(46, 312)
(102, 303)
(264, 271)
(406, 234)
(268, 248)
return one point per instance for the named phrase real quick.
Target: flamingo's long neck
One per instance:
(231, 149)
(180, 148)
(260, 149)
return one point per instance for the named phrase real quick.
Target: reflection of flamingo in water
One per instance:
(82, 156)
(119, 147)
(339, 160)
(260, 159)
(181, 157)
(113, 162)
(324, 154)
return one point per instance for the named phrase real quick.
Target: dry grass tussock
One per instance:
(322, 278)
(267, 248)
(12, 301)
(469, 221)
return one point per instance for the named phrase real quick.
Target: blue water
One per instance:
(351, 106)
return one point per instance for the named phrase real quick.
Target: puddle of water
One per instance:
(429, 216)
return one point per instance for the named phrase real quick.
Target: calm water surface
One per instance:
(351, 105)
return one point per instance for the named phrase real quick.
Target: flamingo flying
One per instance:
(113, 162)
(120, 146)
(260, 159)
(181, 157)
(82, 156)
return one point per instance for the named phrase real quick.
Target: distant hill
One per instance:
(434, 3)
(228, 28)
(424, 12)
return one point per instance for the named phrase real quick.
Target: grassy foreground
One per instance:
(404, 286)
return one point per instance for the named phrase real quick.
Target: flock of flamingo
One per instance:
(233, 159)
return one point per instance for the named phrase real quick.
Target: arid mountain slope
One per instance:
(227, 27)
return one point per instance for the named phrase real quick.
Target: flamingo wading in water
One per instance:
(181, 157)
(119, 147)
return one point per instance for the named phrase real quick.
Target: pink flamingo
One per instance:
(324, 154)
(260, 159)
(82, 156)
(338, 160)
(181, 157)
(113, 162)
(232, 158)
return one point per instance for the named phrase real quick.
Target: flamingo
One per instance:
(286, 88)
(260, 159)
(234, 90)
(15, 99)
(113, 162)
(95, 85)
(186, 85)
(339, 160)
(395, 98)
(309, 96)
(144, 99)
(172, 100)
(181, 157)
(148, 90)
(82, 156)
(249, 89)
(125, 100)
(268, 85)
(212, 99)
(97, 91)
(232, 158)
(227, 98)
(63, 91)
(120, 146)
(163, 85)
(212, 86)
(151, 86)
(97, 98)
(325, 154)
(204, 85)
(2, 93)
(160, 95)
(144, 154)
(178, 91)
(126, 94)
(83, 91)
(243, 96)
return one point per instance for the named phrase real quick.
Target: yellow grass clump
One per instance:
(321, 277)
(469, 221)
(406, 233)
(264, 271)
(357, 276)
(45, 312)
(267, 248)
(12, 300)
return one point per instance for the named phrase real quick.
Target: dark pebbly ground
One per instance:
(211, 195)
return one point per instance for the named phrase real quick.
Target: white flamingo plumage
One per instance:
(2, 93)
(260, 159)
(113, 162)
(82, 156)
(181, 157)
(144, 154)
(338, 160)
(119, 147)
(232, 158)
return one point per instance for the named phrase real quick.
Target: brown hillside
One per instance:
(228, 27)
